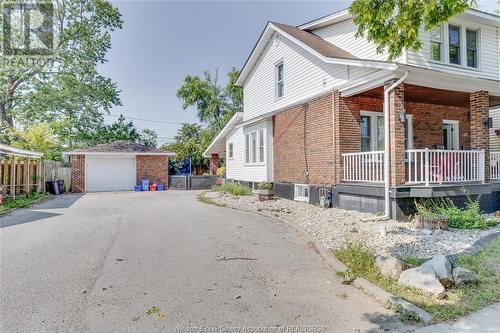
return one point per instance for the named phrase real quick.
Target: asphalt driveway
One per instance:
(99, 262)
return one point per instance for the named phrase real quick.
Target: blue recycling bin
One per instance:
(145, 184)
(160, 187)
(138, 188)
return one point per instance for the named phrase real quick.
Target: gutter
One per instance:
(386, 144)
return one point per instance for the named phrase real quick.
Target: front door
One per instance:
(451, 135)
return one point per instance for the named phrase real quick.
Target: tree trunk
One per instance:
(4, 116)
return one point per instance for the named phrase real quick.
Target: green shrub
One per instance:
(233, 189)
(468, 218)
(265, 186)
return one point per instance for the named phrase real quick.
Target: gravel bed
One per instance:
(336, 227)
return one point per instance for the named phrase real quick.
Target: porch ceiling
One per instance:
(420, 94)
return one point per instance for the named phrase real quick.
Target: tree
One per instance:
(148, 137)
(215, 104)
(69, 88)
(393, 25)
(39, 138)
(190, 142)
(119, 130)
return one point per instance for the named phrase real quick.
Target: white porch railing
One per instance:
(495, 165)
(431, 166)
(365, 167)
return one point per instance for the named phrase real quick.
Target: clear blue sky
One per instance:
(163, 41)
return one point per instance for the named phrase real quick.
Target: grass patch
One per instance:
(20, 202)
(233, 189)
(460, 300)
(414, 262)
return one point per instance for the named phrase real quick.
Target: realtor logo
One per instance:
(27, 28)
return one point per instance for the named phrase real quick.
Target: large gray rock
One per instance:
(423, 278)
(389, 265)
(462, 275)
(494, 268)
(442, 267)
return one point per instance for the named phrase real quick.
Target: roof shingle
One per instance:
(118, 147)
(318, 44)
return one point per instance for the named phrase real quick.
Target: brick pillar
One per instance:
(479, 138)
(214, 164)
(78, 173)
(397, 136)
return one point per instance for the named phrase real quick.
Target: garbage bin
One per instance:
(60, 183)
(145, 184)
(52, 187)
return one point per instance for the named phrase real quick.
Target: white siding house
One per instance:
(292, 65)
(495, 130)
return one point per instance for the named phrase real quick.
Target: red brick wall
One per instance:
(78, 173)
(152, 167)
(304, 161)
(479, 107)
(397, 136)
(346, 125)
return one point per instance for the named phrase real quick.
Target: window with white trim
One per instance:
(471, 41)
(371, 126)
(279, 79)
(436, 35)
(454, 44)
(301, 192)
(230, 150)
(254, 147)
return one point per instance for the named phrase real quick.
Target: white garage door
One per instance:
(109, 173)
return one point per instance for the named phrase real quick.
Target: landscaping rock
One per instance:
(494, 268)
(462, 275)
(423, 278)
(389, 265)
(442, 267)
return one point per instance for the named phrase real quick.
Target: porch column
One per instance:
(479, 137)
(397, 135)
(337, 153)
(214, 164)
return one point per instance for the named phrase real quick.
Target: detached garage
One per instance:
(117, 166)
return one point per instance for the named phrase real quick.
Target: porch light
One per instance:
(402, 115)
(489, 122)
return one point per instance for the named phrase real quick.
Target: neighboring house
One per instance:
(314, 115)
(117, 166)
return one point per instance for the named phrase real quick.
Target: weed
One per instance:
(406, 316)
(233, 189)
(154, 309)
(20, 202)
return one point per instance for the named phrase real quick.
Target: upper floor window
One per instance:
(471, 36)
(437, 44)
(230, 150)
(454, 44)
(279, 78)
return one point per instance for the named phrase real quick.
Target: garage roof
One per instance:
(119, 147)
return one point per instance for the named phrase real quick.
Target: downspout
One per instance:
(386, 145)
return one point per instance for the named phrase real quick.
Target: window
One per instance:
(471, 40)
(280, 91)
(254, 147)
(454, 44)
(366, 132)
(436, 43)
(230, 151)
(261, 146)
(301, 192)
(247, 149)
(372, 131)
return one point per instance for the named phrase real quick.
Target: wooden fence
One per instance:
(53, 170)
(31, 174)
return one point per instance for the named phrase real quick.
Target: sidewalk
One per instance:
(486, 320)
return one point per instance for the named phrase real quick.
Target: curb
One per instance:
(478, 245)
(383, 296)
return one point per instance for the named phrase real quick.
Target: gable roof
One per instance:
(218, 144)
(317, 43)
(317, 46)
(119, 147)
